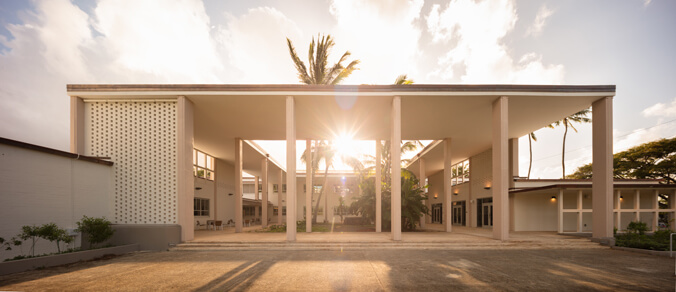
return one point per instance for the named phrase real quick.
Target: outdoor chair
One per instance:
(218, 225)
(199, 225)
(247, 222)
(231, 223)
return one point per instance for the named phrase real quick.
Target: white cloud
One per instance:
(475, 32)
(539, 23)
(382, 34)
(169, 40)
(661, 110)
(646, 3)
(255, 44)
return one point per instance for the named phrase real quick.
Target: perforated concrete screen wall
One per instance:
(140, 137)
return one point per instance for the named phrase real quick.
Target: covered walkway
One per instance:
(459, 238)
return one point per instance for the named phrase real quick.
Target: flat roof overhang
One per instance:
(429, 112)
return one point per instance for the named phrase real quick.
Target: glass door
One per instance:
(487, 214)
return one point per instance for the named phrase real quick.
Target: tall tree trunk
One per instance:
(563, 152)
(319, 198)
(530, 150)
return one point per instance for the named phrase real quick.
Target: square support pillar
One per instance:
(447, 217)
(309, 187)
(290, 169)
(579, 210)
(77, 125)
(637, 205)
(256, 179)
(396, 168)
(559, 208)
(378, 184)
(602, 168)
(238, 186)
(279, 197)
(500, 187)
(264, 194)
(185, 185)
(513, 160)
(422, 176)
(618, 213)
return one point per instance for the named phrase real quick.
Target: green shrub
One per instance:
(657, 241)
(97, 230)
(32, 233)
(52, 232)
(637, 227)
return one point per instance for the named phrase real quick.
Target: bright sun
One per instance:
(345, 145)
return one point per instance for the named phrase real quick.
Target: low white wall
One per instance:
(534, 212)
(38, 188)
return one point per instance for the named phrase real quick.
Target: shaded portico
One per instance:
(468, 118)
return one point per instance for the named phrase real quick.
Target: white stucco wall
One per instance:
(534, 212)
(38, 188)
(481, 176)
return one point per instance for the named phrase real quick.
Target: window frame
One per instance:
(201, 207)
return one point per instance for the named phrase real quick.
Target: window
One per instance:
(203, 165)
(275, 188)
(275, 211)
(249, 210)
(460, 172)
(201, 207)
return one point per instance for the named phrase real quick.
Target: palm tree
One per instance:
(578, 117)
(318, 72)
(403, 80)
(531, 137)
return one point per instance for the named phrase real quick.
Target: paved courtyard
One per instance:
(526, 264)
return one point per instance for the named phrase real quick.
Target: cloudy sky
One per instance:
(45, 45)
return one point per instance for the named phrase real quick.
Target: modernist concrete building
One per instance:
(150, 133)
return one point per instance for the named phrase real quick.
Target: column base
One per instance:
(609, 241)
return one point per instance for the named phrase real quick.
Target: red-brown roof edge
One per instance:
(25, 145)
(342, 88)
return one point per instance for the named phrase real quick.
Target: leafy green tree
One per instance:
(54, 233)
(32, 233)
(569, 122)
(318, 71)
(652, 160)
(412, 195)
(98, 230)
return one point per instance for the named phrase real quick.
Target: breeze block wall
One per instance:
(140, 138)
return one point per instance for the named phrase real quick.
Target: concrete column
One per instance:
(256, 178)
(579, 210)
(238, 185)
(656, 206)
(447, 217)
(77, 125)
(422, 177)
(290, 169)
(279, 197)
(500, 187)
(185, 182)
(396, 168)
(378, 183)
(513, 160)
(559, 207)
(216, 179)
(264, 202)
(602, 167)
(618, 214)
(309, 187)
(637, 205)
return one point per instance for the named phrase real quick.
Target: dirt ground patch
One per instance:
(379, 270)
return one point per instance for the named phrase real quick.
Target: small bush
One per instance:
(32, 233)
(637, 227)
(52, 232)
(657, 241)
(98, 230)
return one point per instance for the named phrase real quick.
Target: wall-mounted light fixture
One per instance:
(456, 192)
(487, 188)
(198, 188)
(435, 196)
(621, 198)
(553, 198)
(230, 194)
